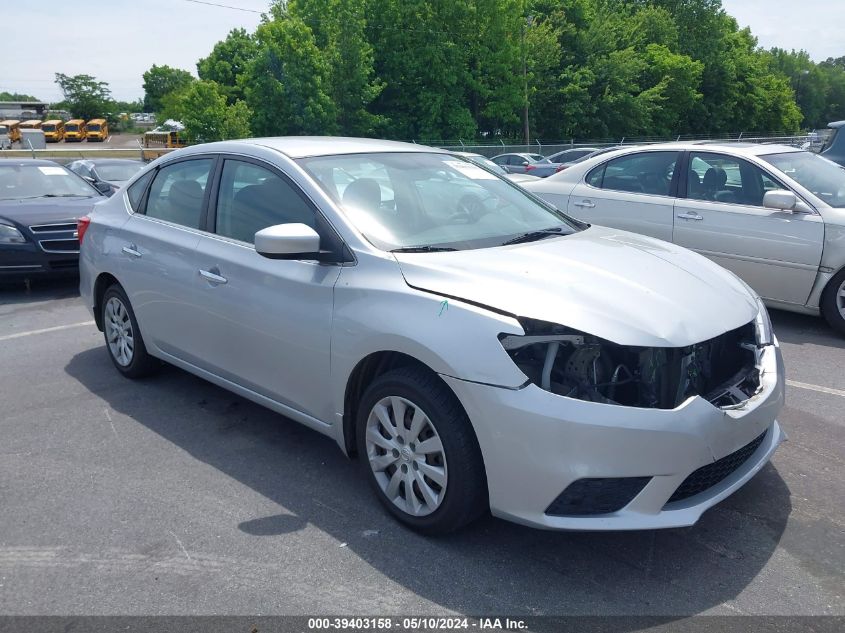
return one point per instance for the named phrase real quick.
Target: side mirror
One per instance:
(103, 187)
(288, 241)
(780, 199)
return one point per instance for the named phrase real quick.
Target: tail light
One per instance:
(82, 226)
(560, 168)
(529, 167)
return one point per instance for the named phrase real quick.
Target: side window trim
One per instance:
(325, 228)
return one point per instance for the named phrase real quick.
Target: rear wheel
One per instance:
(420, 452)
(833, 302)
(123, 338)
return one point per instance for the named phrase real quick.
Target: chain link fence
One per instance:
(813, 141)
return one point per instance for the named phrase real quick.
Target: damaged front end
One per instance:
(724, 370)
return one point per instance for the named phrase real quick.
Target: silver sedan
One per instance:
(494, 356)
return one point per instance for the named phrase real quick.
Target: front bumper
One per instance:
(27, 260)
(536, 443)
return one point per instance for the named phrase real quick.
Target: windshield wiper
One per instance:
(534, 235)
(423, 249)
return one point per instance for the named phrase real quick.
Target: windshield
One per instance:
(417, 201)
(94, 127)
(37, 181)
(4, 129)
(824, 178)
(118, 171)
(48, 127)
(71, 127)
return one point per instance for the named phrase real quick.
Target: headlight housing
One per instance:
(578, 365)
(763, 325)
(10, 235)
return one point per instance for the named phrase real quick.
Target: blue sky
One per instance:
(117, 40)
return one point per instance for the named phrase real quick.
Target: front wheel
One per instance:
(420, 452)
(833, 302)
(123, 338)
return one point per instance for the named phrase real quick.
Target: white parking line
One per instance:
(45, 330)
(820, 389)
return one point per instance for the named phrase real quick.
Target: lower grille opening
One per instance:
(708, 476)
(63, 264)
(596, 496)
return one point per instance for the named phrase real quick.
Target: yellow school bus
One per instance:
(54, 130)
(13, 127)
(163, 139)
(75, 130)
(32, 124)
(98, 130)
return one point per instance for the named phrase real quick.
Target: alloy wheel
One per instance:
(119, 334)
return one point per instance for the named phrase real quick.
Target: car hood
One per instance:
(45, 210)
(623, 287)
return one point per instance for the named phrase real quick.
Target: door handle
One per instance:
(690, 216)
(132, 250)
(584, 203)
(213, 277)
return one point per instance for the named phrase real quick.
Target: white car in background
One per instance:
(773, 215)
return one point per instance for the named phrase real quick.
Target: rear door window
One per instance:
(645, 172)
(177, 193)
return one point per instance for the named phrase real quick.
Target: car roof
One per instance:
(734, 147)
(309, 146)
(29, 162)
(108, 161)
(836, 124)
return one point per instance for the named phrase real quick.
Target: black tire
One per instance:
(465, 498)
(141, 363)
(829, 305)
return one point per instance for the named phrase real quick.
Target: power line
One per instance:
(224, 6)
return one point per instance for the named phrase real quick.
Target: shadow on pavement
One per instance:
(30, 291)
(492, 567)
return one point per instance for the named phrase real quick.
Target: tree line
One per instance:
(439, 69)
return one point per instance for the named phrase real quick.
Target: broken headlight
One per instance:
(578, 365)
(763, 325)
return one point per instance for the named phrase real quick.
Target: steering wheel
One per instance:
(470, 208)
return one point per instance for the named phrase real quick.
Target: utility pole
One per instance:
(527, 133)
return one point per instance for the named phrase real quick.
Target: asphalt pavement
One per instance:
(173, 496)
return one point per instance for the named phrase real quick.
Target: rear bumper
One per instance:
(535, 444)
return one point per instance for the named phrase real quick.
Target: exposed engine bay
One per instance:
(723, 370)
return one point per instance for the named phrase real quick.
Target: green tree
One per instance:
(339, 28)
(85, 97)
(16, 96)
(228, 61)
(206, 114)
(287, 83)
(163, 80)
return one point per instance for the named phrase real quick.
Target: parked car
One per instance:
(774, 215)
(106, 174)
(834, 148)
(561, 375)
(40, 203)
(570, 155)
(485, 162)
(533, 164)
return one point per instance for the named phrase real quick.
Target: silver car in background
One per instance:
(773, 215)
(498, 356)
